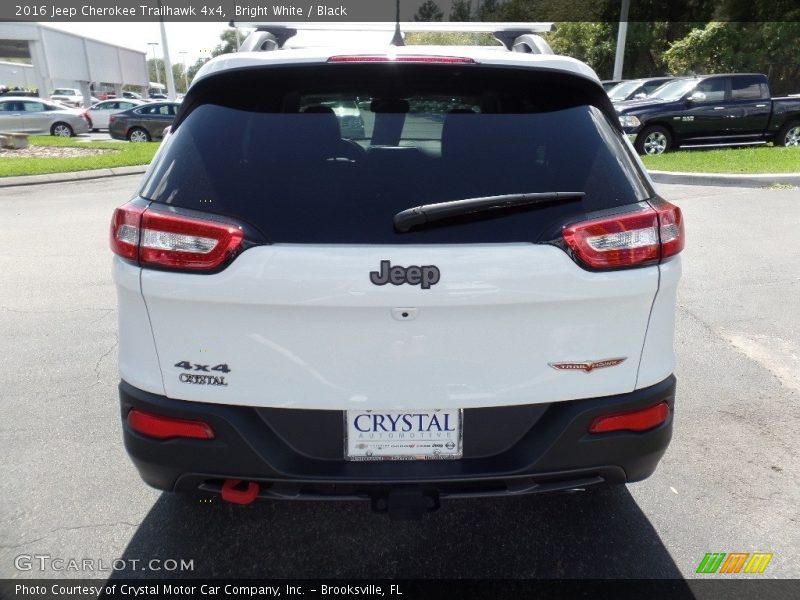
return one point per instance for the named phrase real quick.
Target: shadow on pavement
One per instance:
(600, 534)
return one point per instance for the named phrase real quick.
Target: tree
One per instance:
(461, 10)
(429, 11)
(177, 75)
(487, 10)
(193, 69)
(769, 48)
(228, 45)
(449, 38)
(155, 70)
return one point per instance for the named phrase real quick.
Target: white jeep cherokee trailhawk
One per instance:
(475, 296)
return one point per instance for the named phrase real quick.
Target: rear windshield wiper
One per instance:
(430, 213)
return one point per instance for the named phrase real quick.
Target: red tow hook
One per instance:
(232, 491)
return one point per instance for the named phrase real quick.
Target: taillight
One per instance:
(632, 239)
(636, 420)
(125, 225)
(407, 58)
(184, 243)
(670, 228)
(163, 428)
(173, 240)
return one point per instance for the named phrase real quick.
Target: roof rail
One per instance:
(516, 37)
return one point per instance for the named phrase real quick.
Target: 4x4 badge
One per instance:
(588, 366)
(426, 275)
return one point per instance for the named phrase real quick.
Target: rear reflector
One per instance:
(172, 240)
(407, 58)
(162, 428)
(633, 239)
(637, 420)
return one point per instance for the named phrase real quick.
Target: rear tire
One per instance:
(138, 135)
(789, 135)
(61, 130)
(653, 140)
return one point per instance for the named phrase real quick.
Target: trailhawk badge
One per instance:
(588, 366)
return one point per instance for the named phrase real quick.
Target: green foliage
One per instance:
(592, 43)
(177, 73)
(193, 69)
(595, 44)
(228, 45)
(488, 10)
(461, 10)
(429, 11)
(447, 38)
(123, 154)
(770, 48)
(728, 160)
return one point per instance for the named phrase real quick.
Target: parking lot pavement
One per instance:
(728, 483)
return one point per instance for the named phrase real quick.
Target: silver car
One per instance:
(99, 113)
(33, 115)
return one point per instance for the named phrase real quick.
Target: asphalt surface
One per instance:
(728, 482)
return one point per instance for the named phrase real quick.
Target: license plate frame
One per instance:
(412, 445)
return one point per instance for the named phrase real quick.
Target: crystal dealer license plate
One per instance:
(403, 435)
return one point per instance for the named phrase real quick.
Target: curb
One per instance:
(727, 179)
(74, 176)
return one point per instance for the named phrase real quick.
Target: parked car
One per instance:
(610, 83)
(99, 113)
(158, 96)
(712, 109)
(636, 88)
(142, 123)
(473, 307)
(27, 115)
(132, 95)
(67, 96)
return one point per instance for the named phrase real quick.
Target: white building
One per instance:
(61, 59)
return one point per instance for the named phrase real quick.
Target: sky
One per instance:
(196, 39)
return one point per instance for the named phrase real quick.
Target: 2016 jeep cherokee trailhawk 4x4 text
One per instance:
(474, 297)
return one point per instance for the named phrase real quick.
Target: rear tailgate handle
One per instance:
(720, 107)
(761, 105)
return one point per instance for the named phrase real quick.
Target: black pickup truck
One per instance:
(711, 109)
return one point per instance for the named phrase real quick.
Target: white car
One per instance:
(476, 299)
(100, 112)
(67, 96)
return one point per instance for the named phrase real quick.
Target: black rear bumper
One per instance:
(298, 454)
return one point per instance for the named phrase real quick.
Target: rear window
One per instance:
(330, 154)
(157, 109)
(749, 88)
